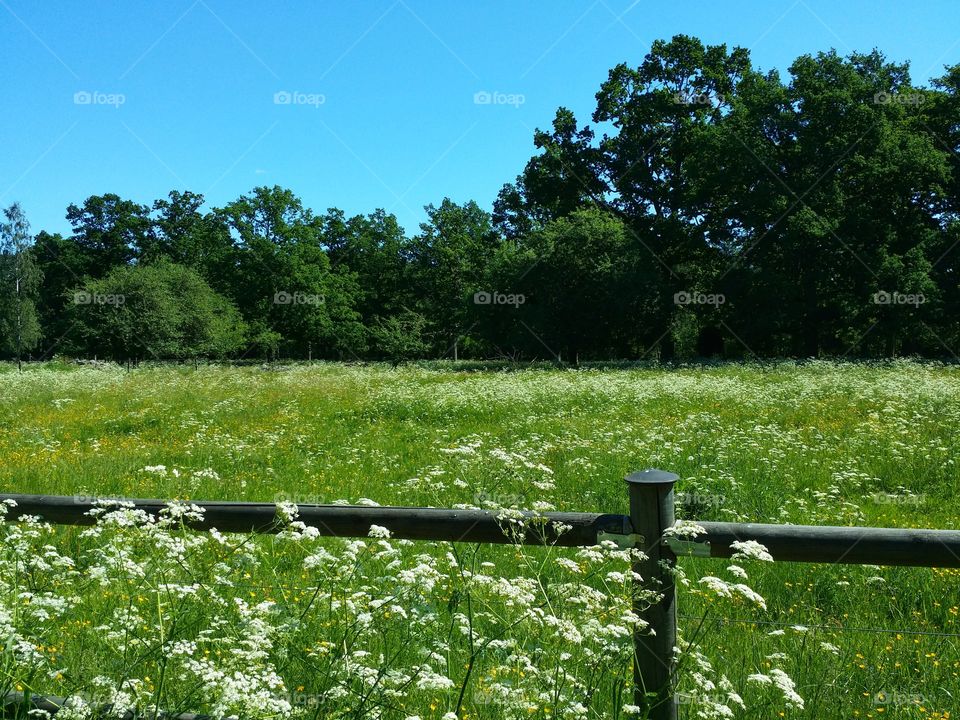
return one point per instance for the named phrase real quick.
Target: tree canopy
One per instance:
(708, 208)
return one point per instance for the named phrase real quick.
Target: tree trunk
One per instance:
(811, 337)
(19, 327)
(668, 350)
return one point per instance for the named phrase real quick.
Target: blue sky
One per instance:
(381, 109)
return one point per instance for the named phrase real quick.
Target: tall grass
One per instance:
(813, 443)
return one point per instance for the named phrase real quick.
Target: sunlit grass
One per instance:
(819, 443)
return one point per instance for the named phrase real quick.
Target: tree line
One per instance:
(710, 209)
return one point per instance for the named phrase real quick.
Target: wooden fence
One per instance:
(651, 501)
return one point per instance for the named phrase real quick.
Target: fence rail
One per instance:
(651, 513)
(787, 543)
(404, 523)
(844, 545)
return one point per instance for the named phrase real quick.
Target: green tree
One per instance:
(19, 284)
(186, 236)
(938, 118)
(645, 170)
(109, 231)
(284, 281)
(156, 311)
(374, 248)
(209, 324)
(62, 264)
(588, 288)
(835, 187)
(448, 260)
(401, 336)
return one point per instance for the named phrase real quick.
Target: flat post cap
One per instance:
(652, 476)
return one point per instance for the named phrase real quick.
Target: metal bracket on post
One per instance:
(687, 548)
(651, 512)
(624, 542)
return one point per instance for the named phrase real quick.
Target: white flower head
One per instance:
(750, 550)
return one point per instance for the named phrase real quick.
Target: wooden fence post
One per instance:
(651, 512)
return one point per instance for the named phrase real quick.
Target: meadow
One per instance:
(148, 615)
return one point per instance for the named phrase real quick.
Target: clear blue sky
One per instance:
(398, 126)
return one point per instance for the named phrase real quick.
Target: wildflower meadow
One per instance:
(141, 614)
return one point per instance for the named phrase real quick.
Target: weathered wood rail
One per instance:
(651, 500)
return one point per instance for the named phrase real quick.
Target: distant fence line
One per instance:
(651, 499)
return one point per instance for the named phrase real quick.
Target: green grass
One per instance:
(818, 443)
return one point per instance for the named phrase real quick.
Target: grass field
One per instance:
(817, 443)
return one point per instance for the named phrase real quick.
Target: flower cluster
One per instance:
(367, 627)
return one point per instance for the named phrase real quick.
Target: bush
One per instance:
(155, 311)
